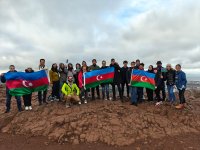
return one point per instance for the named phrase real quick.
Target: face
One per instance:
(150, 68)
(12, 68)
(42, 62)
(83, 63)
(29, 69)
(132, 65)
(155, 71)
(159, 65)
(178, 68)
(141, 67)
(103, 63)
(113, 62)
(54, 65)
(94, 62)
(78, 66)
(84, 69)
(168, 67)
(125, 64)
(137, 63)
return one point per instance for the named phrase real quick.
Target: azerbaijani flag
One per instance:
(141, 78)
(97, 77)
(21, 83)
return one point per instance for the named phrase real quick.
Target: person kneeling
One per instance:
(71, 92)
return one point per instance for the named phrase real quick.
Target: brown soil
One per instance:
(101, 125)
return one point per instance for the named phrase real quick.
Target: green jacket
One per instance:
(67, 90)
(92, 67)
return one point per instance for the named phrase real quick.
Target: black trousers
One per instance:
(127, 88)
(182, 96)
(149, 94)
(119, 90)
(42, 96)
(157, 91)
(163, 93)
(93, 92)
(27, 100)
(56, 89)
(140, 94)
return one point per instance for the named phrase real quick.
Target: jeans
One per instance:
(127, 88)
(105, 90)
(56, 89)
(171, 94)
(8, 101)
(134, 95)
(119, 90)
(84, 94)
(182, 96)
(27, 100)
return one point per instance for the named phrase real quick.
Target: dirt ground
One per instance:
(101, 125)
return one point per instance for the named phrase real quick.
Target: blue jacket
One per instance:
(181, 80)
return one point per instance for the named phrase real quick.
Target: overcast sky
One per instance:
(79, 30)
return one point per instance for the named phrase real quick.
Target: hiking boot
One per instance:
(180, 106)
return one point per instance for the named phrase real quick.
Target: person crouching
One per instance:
(71, 92)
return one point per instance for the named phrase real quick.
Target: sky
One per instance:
(77, 30)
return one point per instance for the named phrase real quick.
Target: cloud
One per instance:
(82, 30)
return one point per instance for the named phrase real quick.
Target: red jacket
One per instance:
(80, 79)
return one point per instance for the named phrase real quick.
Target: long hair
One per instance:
(54, 69)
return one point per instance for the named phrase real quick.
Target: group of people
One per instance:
(68, 84)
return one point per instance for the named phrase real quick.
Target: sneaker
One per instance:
(67, 106)
(79, 103)
(110, 98)
(105, 99)
(26, 108)
(30, 108)
(159, 103)
(85, 101)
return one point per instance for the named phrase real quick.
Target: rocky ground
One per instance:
(102, 125)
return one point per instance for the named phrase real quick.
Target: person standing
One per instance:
(105, 86)
(140, 90)
(181, 83)
(124, 70)
(84, 92)
(42, 94)
(78, 69)
(117, 80)
(27, 98)
(150, 91)
(94, 66)
(170, 78)
(63, 76)
(71, 71)
(55, 81)
(133, 89)
(8, 96)
(160, 83)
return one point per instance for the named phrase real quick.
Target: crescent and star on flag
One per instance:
(27, 84)
(99, 77)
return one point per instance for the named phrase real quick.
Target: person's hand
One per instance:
(161, 77)
(129, 84)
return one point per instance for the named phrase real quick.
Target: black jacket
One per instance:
(160, 82)
(170, 77)
(124, 74)
(128, 74)
(117, 77)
